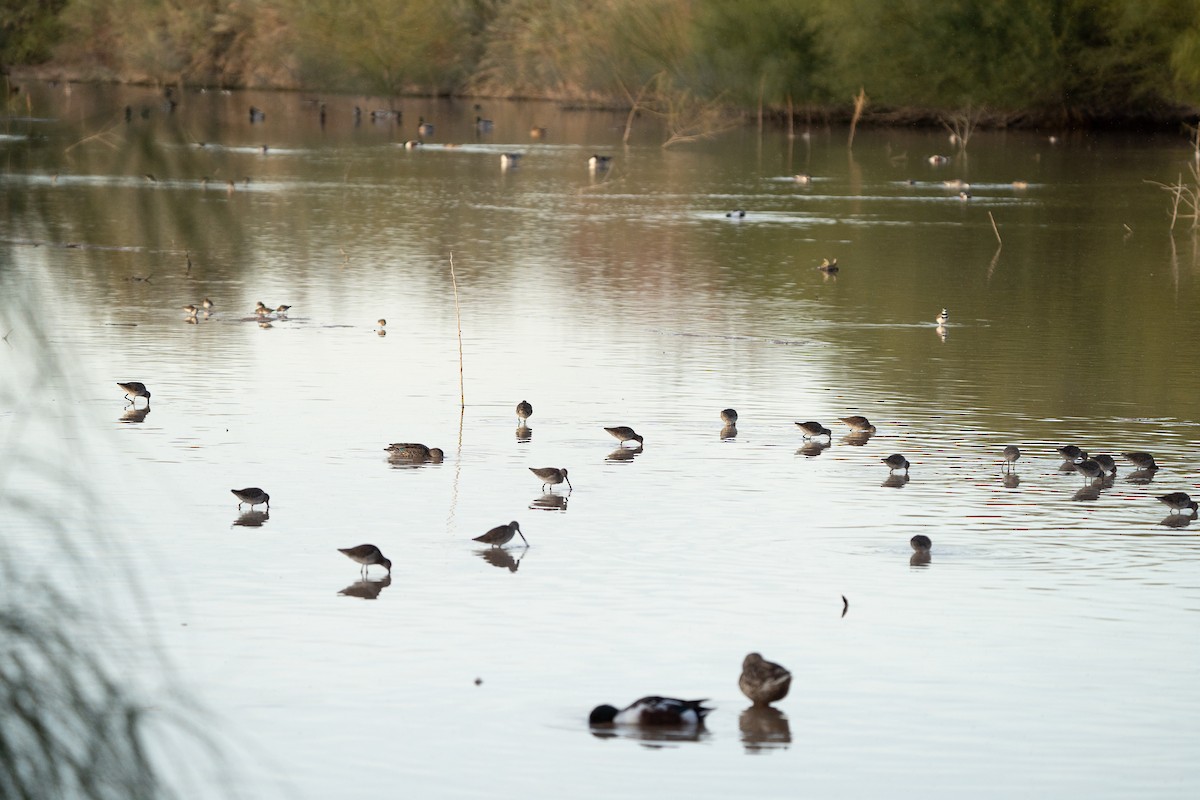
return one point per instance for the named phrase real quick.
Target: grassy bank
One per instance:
(1022, 61)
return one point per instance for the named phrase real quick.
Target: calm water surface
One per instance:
(1049, 648)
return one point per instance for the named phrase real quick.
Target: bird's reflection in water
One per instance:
(857, 438)
(252, 519)
(729, 432)
(624, 453)
(1178, 520)
(1141, 476)
(653, 736)
(1067, 466)
(1011, 480)
(811, 449)
(919, 558)
(550, 502)
(407, 462)
(896, 481)
(499, 557)
(764, 729)
(134, 414)
(524, 433)
(1087, 493)
(367, 589)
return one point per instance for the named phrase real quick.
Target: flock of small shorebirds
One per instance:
(764, 682)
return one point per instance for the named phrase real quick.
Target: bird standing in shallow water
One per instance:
(501, 534)
(134, 390)
(921, 543)
(943, 318)
(1011, 454)
(524, 412)
(652, 711)
(367, 554)
(813, 429)
(551, 476)
(896, 461)
(729, 416)
(858, 424)
(764, 682)
(1089, 469)
(1108, 463)
(252, 495)
(626, 434)
(1138, 459)
(1178, 501)
(1072, 453)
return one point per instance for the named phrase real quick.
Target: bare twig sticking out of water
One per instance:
(961, 124)
(462, 392)
(860, 102)
(1185, 194)
(995, 229)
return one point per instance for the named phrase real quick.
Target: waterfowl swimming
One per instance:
(1178, 501)
(191, 309)
(424, 128)
(938, 160)
(813, 429)
(411, 144)
(803, 178)
(252, 495)
(510, 160)
(896, 461)
(501, 534)
(256, 114)
(921, 543)
(551, 476)
(737, 213)
(764, 682)
(943, 317)
(537, 132)
(134, 390)
(484, 125)
(729, 416)
(828, 267)
(1140, 460)
(367, 554)
(598, 163)
(625, 434)
(858, 424)
(414, 451)
(1010, 455)
(652, 711)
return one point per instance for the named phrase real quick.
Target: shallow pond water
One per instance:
(1048, 647)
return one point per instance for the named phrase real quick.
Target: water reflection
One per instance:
(524, 433)
(499, 557)
(652, 737)
(550, 502)
(764, 729)
(135, 415)
(1011, 480)
(623, 453)
(896, 481)
(252, 519)
(1177, 520)
(1087, 493)
(728, 432)
(857, 438)
(919, 558)
(367, 589)
(1141, 477)
(813, 449)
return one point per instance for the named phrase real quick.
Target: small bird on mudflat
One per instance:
(652, 712)
(367, 554)
(551, 476)
(625, 434)
(134, 390)
(252, 495)
(501, 534)
(764, 682)
(896, 461)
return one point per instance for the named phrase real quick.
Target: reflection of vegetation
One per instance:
(1067, 58)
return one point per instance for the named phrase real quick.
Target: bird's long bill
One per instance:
(568, 480)
(523, 539)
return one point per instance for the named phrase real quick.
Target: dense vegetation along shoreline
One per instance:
(699, 63)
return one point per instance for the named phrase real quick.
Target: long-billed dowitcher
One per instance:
(626, 434)
(1108, 463)
(134, 390)
(1089, 469)
(764, 682)
(729, 416)
(921, 543)
(1178, 501)
(367, 554)
(1010, 455)
(896, 461)
(652, 711)
(252, 495)
(1072, 453)
(501, 534)
(813, 429)
(414, 451)
(551, 476)
(1138, 459)
(858, 424)
(524, 411)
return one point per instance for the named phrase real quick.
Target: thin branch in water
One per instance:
(995, 229)
(462, 392)
(860, 102)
